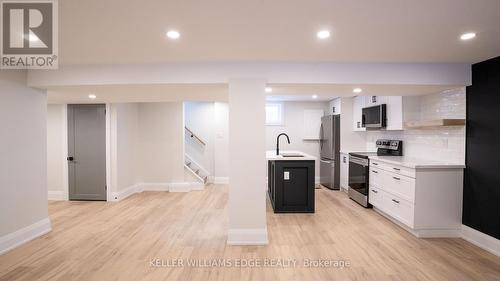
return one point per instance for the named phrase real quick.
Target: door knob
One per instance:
(70, 158)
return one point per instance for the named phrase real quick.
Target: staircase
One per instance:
(196, 169)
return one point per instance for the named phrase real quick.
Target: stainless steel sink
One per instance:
(291, 155)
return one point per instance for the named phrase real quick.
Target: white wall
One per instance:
(221, 142)
(441, 144)
(56, 158)
(161, 142)
(210, 121)
(293, 127)
(247, 170)
(125, 151)
(199, 117)
(23, 161)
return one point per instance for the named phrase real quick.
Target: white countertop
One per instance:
(271, 155)
(416, 163)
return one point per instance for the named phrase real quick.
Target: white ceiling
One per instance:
(123, 32)
(218, 92)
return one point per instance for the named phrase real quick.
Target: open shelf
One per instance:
(434, 123)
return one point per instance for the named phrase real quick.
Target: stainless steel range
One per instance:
(359, 168)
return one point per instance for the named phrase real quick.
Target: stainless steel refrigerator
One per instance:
(330, 151)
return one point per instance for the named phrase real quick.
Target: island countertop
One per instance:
(271, 156)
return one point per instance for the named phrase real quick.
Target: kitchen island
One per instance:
(291, 181)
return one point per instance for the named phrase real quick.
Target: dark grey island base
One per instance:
(291, 185)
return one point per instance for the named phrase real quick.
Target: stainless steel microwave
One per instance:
(374, 116)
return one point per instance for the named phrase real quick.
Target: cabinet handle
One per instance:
(374, 172)
(396, 178)
(397, 169)
(374, 191)
(375, 164)
(395, 201)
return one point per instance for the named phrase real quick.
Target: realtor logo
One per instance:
(29, 35)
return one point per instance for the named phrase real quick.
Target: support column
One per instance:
(247, 165)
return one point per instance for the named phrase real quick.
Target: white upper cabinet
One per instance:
(394, 112)
(358, 103)
(398, 109)
(335, 106)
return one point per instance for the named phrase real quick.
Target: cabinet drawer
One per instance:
(402, 170)
(376, 177)
(375, 197)
(377, 164)
(405, 171)
(398, 208)
(399, 185)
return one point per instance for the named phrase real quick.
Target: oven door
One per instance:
(358, 175)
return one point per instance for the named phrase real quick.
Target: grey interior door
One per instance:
(87, 151)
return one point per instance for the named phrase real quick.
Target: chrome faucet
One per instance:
(278, 142)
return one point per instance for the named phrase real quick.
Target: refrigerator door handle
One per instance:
(321, 137)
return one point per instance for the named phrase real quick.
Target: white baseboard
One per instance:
(197, 186)
(156, 186)
(247, 236)
(179, 187)
(153, 186)
(23, 235)
(57, 195)
(120, 195)
(221, 180)
(482, 240)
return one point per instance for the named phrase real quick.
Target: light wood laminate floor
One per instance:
(118, 241)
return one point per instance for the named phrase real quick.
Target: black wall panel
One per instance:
(482, 174)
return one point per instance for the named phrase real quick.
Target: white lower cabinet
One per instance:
(344, 171)
(427, 205)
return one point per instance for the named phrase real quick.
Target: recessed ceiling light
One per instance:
(92, 96)
(173, 34)
(357, 90)
(314, 96)
(468, 36)
(323, 34)
(268, 89)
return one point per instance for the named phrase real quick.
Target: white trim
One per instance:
(482, 240)
(109, 160)
(153, 186)
(193, 173)
(247, 236)
(221, 180)
(200, 167)
(120, 195)
(23, 235)
(196, 186)
(57, 195)
(317, 180)
(179, 187)
(65, 151)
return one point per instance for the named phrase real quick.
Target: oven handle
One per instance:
(358, 161)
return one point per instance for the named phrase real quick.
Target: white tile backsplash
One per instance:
(442, 144)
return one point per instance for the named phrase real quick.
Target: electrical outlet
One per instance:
(286, 175)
